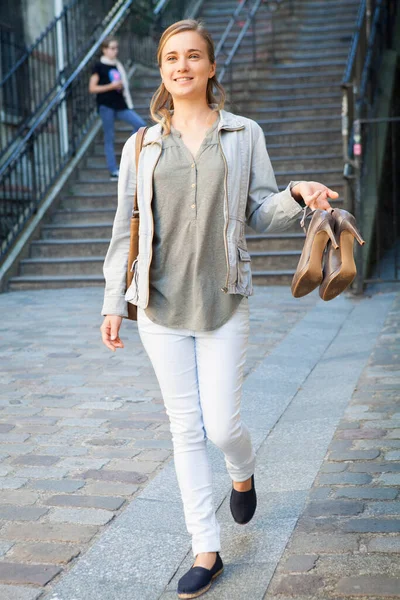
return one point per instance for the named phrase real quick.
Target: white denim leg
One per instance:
(221, 356)
(172, 353)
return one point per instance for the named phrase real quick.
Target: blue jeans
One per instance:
(108, 116)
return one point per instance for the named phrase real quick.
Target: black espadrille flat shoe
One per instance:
(198, 580)
(243, 504)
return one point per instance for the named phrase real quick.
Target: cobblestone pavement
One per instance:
(347, 541)
(83, 430)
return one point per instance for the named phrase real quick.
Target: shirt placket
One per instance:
(193, 187)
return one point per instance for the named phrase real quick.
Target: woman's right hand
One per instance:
(109, 332)
(116, 85)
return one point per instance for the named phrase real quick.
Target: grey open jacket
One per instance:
(251, 196)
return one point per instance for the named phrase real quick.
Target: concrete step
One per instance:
(104, 184)
(253, 89)
(39, 282)
(90, 201)
(74, 231)
(291, 136)
(281, 277)
(300, 123)
(274, 260)
(62, 266)
(284, 112)
(329, 177)
(303, 164)
(302, 149)
(285, 102)
(80, 217)
(69, 248)
(275, 241)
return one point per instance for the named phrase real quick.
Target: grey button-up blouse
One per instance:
(188, 267)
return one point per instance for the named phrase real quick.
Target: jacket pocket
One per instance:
(131, 294)
(243, 270)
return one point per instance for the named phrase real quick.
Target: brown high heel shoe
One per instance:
(309, 274)
(340, 268)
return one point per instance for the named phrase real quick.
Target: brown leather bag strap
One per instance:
(139, 143)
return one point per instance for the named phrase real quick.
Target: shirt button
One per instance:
(193, 185)
(192, 165)
(193, 206)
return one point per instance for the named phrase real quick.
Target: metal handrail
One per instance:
(46, 149)
(23, 97)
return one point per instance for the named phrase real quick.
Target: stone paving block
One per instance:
(298, 584)
(19, 497)
(5, 547)
(156, 455)
(59, 532)
(373, 493)
(142, 466)
(11, 483)
(354, 455)
(394, 434)
(12, 449)
(382, 508)
(333, 467)
(25, 574)
(375, 467)
(43, 552)
(343, 479)
(108, 503)
(41, 472)
(389, 479)
(100, 405)
(129, 424)
(121, 476)
(13, 437)
(321, 542)
(12, 592)
(84, 516)
(21, 513)
(110, 489)
(105, 442)
(383, 586)
(333, 507)
(64, 451)
(384, 544)
(372, 525)
(62, 485)
(394, 455)
(5, 427)
(78, 463)
(35, 460)
(357, 434)
(153, 444)
(5, 470)
(300, 563)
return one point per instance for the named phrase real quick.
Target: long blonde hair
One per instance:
(162, 102)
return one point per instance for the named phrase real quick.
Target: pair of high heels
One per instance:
(327, 259)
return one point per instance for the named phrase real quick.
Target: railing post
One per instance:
(358, 150)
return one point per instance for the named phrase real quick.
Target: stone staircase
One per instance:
(293, 91)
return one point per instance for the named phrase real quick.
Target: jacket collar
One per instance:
(228, 121)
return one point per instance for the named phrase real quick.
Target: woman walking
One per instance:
(203, 174)
(114, 101)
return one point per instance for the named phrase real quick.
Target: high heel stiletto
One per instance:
(340, 268)
(309, 273)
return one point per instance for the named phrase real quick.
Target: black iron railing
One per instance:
(360, 89)
(29, 80)
(47, 147)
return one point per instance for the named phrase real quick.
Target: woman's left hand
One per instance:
(314, 194)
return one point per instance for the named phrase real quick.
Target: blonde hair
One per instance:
(162, 103)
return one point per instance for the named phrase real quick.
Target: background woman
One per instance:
(203, 174)
(110, 83)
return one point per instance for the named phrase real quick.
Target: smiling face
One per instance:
(185, 65)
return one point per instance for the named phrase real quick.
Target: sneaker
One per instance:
(114, 175)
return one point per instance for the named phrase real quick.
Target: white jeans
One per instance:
(200, 376)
